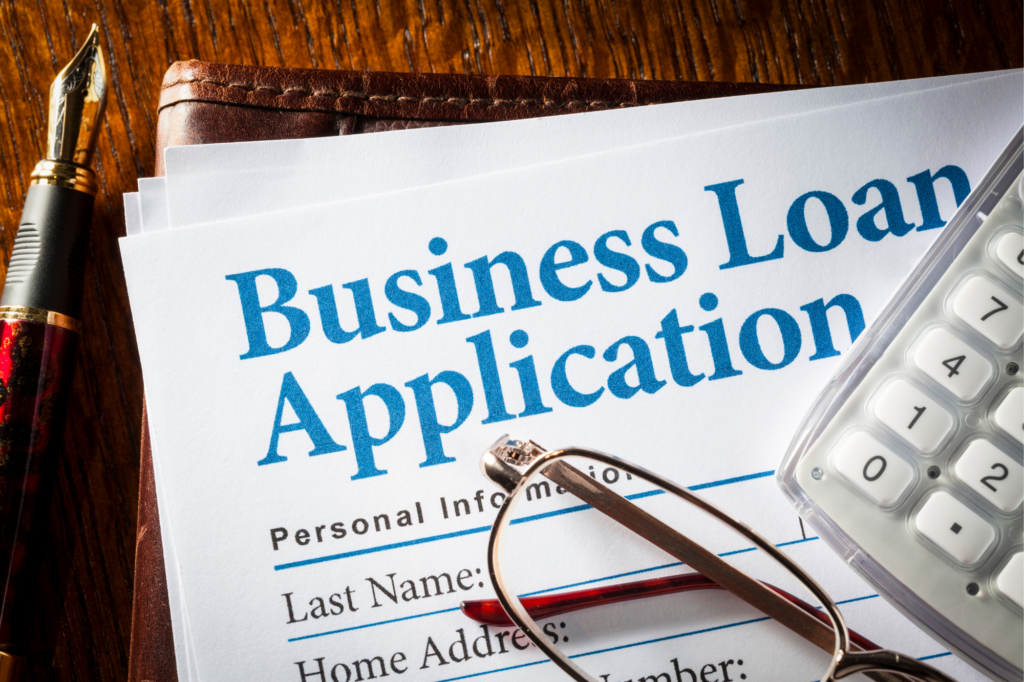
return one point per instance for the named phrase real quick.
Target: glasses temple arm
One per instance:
(489, 611)
(689, 552)
(755, 593)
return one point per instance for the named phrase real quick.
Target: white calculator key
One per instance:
(1010, 252)
(873, 468)
(992, 474)
(990, 310)
(952, 363)
(913, 415)
(1009, 416)
(1011, 579)
(956, 529)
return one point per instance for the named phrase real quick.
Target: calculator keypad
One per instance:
(920, 465)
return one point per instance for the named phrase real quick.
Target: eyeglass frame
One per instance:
(499, 464)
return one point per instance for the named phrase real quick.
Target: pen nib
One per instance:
(77, 99)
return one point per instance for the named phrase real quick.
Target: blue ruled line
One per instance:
(372, 625)
(618, 648)
(554, 589)
(656, 568)
(484, 529)
(381, 548)
(942, 655)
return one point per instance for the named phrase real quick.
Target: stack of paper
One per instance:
(276, 287)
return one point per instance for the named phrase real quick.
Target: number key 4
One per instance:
(953, 364)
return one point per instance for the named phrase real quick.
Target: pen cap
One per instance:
(48, 262)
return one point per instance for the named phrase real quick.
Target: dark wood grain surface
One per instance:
(81, 623)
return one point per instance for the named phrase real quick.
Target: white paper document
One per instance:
(231, 180)
(206, 183)
(215, 181)
(312, 372)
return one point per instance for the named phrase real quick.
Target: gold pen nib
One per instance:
(77, 99)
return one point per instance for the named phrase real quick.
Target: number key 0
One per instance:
(873, 468)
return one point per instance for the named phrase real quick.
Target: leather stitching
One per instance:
(405, 99)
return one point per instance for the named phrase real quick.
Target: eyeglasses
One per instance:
(559, 533)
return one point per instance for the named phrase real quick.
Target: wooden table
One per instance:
(80, 628)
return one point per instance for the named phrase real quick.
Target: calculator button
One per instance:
(992, 474)
(913, 415)
(990, 310)
(953, 527)
(1010, 252)
(873, 468)
(1011, 579)
(1009, 416)
(952, 363)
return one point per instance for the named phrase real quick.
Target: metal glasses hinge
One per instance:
(517, 452)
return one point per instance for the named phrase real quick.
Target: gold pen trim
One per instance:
(62, 174)
(11, 667)
(15, 312)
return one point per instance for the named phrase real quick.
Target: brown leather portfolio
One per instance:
(204, 103)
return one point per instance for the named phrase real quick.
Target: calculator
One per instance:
(909, 464)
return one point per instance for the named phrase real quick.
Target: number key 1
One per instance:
(913, 415)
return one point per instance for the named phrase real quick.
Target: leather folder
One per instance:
(204, 103)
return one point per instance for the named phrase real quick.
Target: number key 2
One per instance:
(992, 474)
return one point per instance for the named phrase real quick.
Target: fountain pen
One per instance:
(40, 311)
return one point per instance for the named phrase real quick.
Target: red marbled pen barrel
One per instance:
(40, 308)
